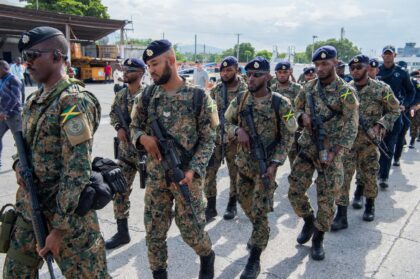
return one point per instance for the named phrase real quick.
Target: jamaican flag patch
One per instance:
(69, 113)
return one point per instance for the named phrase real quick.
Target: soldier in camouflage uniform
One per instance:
(378, 111)
(307, 75)
(336, 105)
(235, 85)
(128, 157)
(266, 107)
(59, 121)
(191, 126)
(290, 90)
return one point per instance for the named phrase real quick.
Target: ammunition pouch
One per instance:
(8, 220)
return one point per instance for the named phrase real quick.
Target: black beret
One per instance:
(258, 64)
(388, 48)
(134, 63)
(155, 49)
(283, 65)
(36, 36)
(309, 70)
(324, 53)
(359, 59)
(228, 61)
(374, 63)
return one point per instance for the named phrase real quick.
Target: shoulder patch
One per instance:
(77, 130)
(69, 113)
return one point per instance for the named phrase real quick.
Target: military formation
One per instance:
(176, 136)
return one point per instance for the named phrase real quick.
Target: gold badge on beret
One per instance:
(256, 65)
(283, 67)
(374, 64)
(356, 60)
(323, 55)
(149, 52)
(224, 64)
(129, 62)
(25, 39)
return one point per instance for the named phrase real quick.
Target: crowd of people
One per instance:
(177, 135)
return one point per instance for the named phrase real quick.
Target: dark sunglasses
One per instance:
(255, 74)
(356, 67)
(32, 54)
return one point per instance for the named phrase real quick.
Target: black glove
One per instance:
(112, 174)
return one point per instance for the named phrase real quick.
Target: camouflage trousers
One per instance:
(415, 125)
(363, 157)
(253, 199)
(82, 254)
(210, 185)
(328, 182)
(294, 149)
(159, 199)
(122, 201)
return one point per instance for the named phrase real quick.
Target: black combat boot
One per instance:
(340, 220)
(383, 183)
(307, 230)
(160, 274)
(207, 266)
(369, 214)
(231, 210)
(211, 211)
(253, 267)
(412, 143)
(317, 249)
(358, 197)
(121, 237)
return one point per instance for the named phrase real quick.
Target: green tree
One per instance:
(301, 57)
(243, 47)
(74, 7)
(264, 53)
(345, 48)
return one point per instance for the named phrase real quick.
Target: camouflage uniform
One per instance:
(250, 189)
(176, 116)
(128, 158)
(58, 127)
(340, 130)
(210, 188)
(290, 92)
(377, 105)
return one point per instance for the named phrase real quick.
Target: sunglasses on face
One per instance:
(255, 74)
(32, 54)
(356, 67)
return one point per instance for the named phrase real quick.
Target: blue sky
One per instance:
(369, 24)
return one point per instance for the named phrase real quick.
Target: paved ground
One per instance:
(386, 248)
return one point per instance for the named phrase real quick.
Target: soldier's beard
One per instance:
(229, 81)
(166, 76)
(256, 88)
(361, 77)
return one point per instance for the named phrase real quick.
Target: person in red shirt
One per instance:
(108, 72)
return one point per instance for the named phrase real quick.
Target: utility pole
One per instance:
(204, 56)
(163, 35)
(195, 47)
(237, 49)
(342, 33)
(313, 43)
